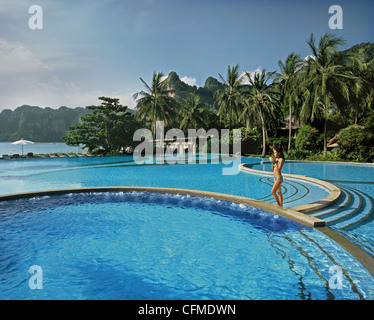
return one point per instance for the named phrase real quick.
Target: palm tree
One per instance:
(323, 75)
(363, 94)
(289, 84)
(261, 101)
(228, 98)
(156, 103)
(192, 112)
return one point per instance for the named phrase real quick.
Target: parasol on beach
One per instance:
(22, 142)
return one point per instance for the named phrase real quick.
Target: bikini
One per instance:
(280, 175)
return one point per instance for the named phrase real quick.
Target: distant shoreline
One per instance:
(6, 148)
(52, 142)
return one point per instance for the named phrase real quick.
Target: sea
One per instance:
(38, 147)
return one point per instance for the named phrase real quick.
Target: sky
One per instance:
(92, 48)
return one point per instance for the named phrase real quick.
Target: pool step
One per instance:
(292, 191)
(334, 257)
(352, 207)
(344, 200)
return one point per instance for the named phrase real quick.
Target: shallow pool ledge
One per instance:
(334, 191)
(285, 212)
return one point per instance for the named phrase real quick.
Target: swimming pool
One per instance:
(309, 244)
(144, 245)
(43, 174)
(356, 210)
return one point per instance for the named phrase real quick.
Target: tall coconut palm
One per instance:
(228, 98)
(363, 94)
(261, 101)
(192, 113)
(289, 84)
(323, 75)
(157, 102)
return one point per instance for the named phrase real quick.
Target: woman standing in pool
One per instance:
(276, 165)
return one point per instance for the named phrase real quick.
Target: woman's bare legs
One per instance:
(280, 195)
(277, 188)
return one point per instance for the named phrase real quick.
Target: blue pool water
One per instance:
(44, 174)
(222, 253)
(135, 245)
(325, 171)
(355, 177)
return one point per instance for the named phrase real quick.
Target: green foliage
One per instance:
(206, 93)
(192, 113)
(308, 138)
(297, 154)
(261, 103)
(331, 91)
(109, 128)
(207, 147)
(212, 120)
(229, 97)
(289, 88)
(330, 156)
(156, 103)
(280, 142)
(356, 143)
(314, 156)
(250, 141)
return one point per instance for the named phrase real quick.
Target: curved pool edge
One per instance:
(334, 191)
(285, 212)
(366, 260)
(334, 162)
(359, 254)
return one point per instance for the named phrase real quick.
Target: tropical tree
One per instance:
(362, 98)
(157, 102)
(192, 112)
(289, 84)
(261, 102)
(323, 76)
(229, 97)
(108, 128)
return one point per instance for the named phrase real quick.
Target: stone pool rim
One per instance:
(285, 212)
(359, 254)
(334, 191)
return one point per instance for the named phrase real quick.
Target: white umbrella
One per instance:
(22, 142)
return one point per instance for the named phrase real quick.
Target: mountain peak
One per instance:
(173, 75)
(182, 89)
(212, 84)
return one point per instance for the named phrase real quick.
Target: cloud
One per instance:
(27, 79)
(188, 80)
(16, 59)
(54, 93)
(309, 57)
(252, 73)
(164, 78)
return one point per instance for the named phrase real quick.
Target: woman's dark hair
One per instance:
(280, 152)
